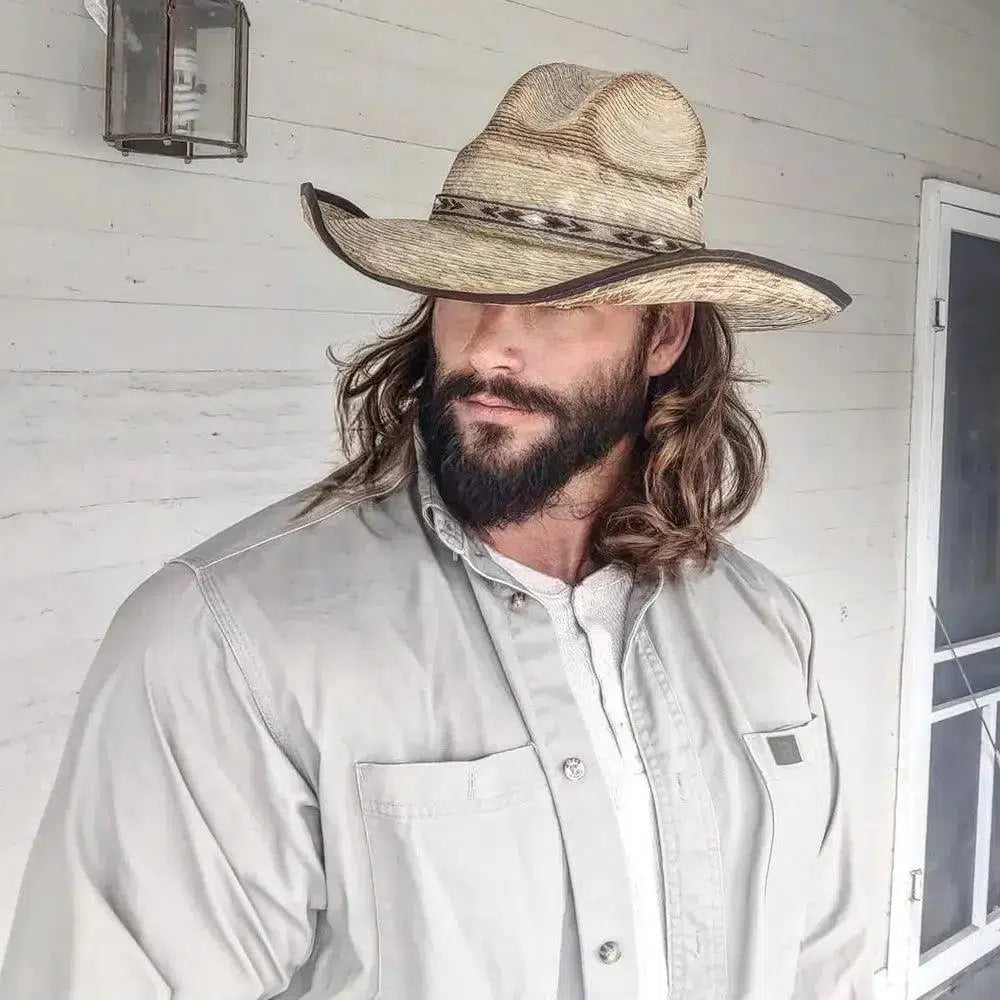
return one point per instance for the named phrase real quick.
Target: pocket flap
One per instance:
(782, 751)
(453, 785)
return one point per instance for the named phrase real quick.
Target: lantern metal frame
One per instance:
(167, 142)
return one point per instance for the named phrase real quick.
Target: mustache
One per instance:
(524, 397)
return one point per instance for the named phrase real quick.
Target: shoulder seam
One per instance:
(196, 564)
(735, 555)
(246, 661)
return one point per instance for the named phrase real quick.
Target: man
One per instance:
(492, 711)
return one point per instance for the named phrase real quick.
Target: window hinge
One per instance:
(939, 314)
(917, 884)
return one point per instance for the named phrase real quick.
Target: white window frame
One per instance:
(945, 207)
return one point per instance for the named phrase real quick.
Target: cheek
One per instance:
(568, 368)
(562, 360)
(446, 331)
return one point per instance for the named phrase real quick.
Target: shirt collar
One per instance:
(435, 513)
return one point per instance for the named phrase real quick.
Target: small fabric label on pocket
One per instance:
(785, 749)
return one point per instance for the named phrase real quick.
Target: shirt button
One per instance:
(574, 768)
(517, 601)
(609, 952)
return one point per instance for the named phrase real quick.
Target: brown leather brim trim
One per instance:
(312, 198)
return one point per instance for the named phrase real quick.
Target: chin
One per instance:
(486, 440)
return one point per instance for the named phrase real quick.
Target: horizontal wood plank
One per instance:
(90, 336)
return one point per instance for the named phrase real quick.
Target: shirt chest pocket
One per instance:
(792, 766)
(468, 875)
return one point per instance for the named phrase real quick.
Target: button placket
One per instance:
(592, 841)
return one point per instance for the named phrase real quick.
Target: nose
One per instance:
(496, 340)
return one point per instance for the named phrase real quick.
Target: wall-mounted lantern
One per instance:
(177, 78)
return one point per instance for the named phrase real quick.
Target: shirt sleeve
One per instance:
(834, 963)
(179, 854)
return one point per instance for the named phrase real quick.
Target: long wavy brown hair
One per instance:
(697, 470)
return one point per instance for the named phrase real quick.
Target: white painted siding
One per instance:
(163, 326)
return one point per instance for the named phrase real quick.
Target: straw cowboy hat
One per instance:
(585, 186)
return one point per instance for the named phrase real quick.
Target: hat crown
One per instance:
(624, 150)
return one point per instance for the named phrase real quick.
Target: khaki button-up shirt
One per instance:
(326, 760)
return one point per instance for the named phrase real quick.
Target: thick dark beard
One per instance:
(486, 492)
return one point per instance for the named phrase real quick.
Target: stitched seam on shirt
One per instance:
(246, 661)
(649, 651)
(374, 495)
(410, 810)
(655, 775)
(770, 857)
(379, 919)
(255, 921)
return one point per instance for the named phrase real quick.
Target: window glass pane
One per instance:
(951, 828)
(969, 546)
(993, 894)
(982, 670)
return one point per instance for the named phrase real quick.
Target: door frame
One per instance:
(944, 206)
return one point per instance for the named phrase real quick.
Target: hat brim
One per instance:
(460, 261)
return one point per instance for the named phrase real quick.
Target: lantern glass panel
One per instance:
(204, 55)
(243, 35)
(138, 51)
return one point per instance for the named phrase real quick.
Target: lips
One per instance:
(492, 402)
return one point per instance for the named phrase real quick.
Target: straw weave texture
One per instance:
(584, 186)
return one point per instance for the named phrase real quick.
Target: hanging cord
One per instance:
(965, 678)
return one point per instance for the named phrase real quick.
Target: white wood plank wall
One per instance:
(163, 326)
